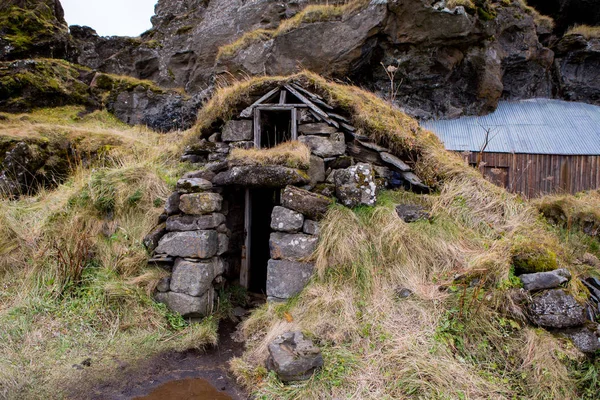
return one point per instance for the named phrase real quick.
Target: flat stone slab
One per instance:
(395, 162)
(312, 205)
(286, 220)
(286, 279)
(267, 176)
(556, 309)
(317, 128)
(292, 246)
(194, 222)
(194, 278)
(545, 280)
(293, 357)
(200, 203)
(193, 244)
(193, 185)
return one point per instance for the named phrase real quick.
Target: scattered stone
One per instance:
(200, 203)
(151, 240)
(311, 227)
(286, 220)
(545, 280)
(194, 222)
(194, 244)
(202, 174)
(172, 204)
(394, 161)
(403, 293)
(293, 357)
(292, 246)
(194, 278)
(556, 309)
(334, 145)
(412, 212)
(586, 338)
(236, 131)
(372, 146)
(164, 284)
(193, 185)
(261, 176)
(223, 245)
(319, 128)
(287, 278)
(312, 205)
(356, 185)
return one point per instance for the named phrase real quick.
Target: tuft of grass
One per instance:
(588, 32)
(290, 154)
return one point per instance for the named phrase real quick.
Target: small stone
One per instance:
(194, 244)
(545, 280)
(172, 204)
(200, 203)
(395, 162)
(412, 212)
(194, 222)
(193, 185)
(223, 246)
(585, 338)
(286, 220)
(340, 162)
(235, 131)
(312, 205)
(293, 357)
(556, 309)
(311, 227)
(292, 246)
(151, 240)
(403, 293)
(202, 174)
(216, 166)
(286, 278)
(164, 284)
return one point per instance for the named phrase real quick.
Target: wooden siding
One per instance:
(533, 175)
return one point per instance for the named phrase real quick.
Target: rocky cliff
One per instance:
(447, 59)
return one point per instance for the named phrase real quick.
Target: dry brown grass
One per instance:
(290, 154)
(588, 32)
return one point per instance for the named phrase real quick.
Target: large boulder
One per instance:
(286, 220)
(556, 309)
(292, 246)
(293, 357)
(312, 205)
(194, 244)
(545, 280)
(285, 278)
(356, 185)
(195, 278)
(257, 176)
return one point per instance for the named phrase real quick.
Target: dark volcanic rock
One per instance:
(545, 280)
(412, 212)
(556, 309)
(567, 13)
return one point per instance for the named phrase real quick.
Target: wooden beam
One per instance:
(248, 111)
(282, 96)
(314, 114)
(339, 118)
(306, 92)
(256, 124)
(279, 106)
(294, 124)
(312, 106)
(245, 267)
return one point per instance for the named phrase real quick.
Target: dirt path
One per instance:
(210, 366)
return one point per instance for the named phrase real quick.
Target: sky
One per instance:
(111, 17)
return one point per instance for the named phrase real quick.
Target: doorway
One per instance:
(259, 206)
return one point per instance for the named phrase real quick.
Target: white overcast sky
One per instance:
(111, 17)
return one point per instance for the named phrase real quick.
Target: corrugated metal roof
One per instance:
(536, 126)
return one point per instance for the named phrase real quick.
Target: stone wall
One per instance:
(201, 236)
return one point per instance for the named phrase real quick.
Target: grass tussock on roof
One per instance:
(289, 154)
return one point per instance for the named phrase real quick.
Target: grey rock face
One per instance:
(194, 278)
(194, 223)
(287, 278)
(292, 246)
(311, 227)
(237, 131)
(556, 309)
(334, 145)
(187, 306)
(293, 357)
(193, 185)
(545, 280)
(286, 220)
(578, 65)
(412, 212)
(194, 244)
(151, 239)
(312, 205)
(200, 203)
(356, 185)
(267, 176)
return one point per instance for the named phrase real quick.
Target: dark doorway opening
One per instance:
(258, 228)
(276, 127)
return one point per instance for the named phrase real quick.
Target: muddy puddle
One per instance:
(188, 389)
